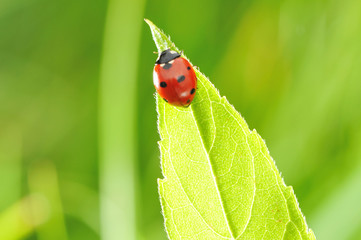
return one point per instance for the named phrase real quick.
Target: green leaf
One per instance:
(220, 181)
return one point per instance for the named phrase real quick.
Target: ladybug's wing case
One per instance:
(164, 86)
(175, 81)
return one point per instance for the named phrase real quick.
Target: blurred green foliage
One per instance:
(292, 68)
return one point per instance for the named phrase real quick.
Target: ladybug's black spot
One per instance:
(189, 68)
(181, 78)
(165, 99)
(188, 100)
(164, 84)
(167, 66)
(193, 90)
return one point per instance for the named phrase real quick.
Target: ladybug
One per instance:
(174, 78)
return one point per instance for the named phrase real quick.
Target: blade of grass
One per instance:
(10, 162)
(19, 220)
(117, 116)
(75, 206)
(43, 180)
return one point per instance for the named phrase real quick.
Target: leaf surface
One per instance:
(219, 179)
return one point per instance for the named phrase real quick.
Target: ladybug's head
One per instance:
(166, 56)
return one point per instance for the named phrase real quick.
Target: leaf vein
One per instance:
(180, 183)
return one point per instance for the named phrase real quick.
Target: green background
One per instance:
(78, 130)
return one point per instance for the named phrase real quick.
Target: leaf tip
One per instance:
(150, 23)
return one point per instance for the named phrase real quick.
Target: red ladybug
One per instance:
(174, 78)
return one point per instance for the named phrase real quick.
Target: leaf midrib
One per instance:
(180, 182)
(254, 173)
(209, 160)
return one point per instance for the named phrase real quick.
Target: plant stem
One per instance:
(117, 117)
